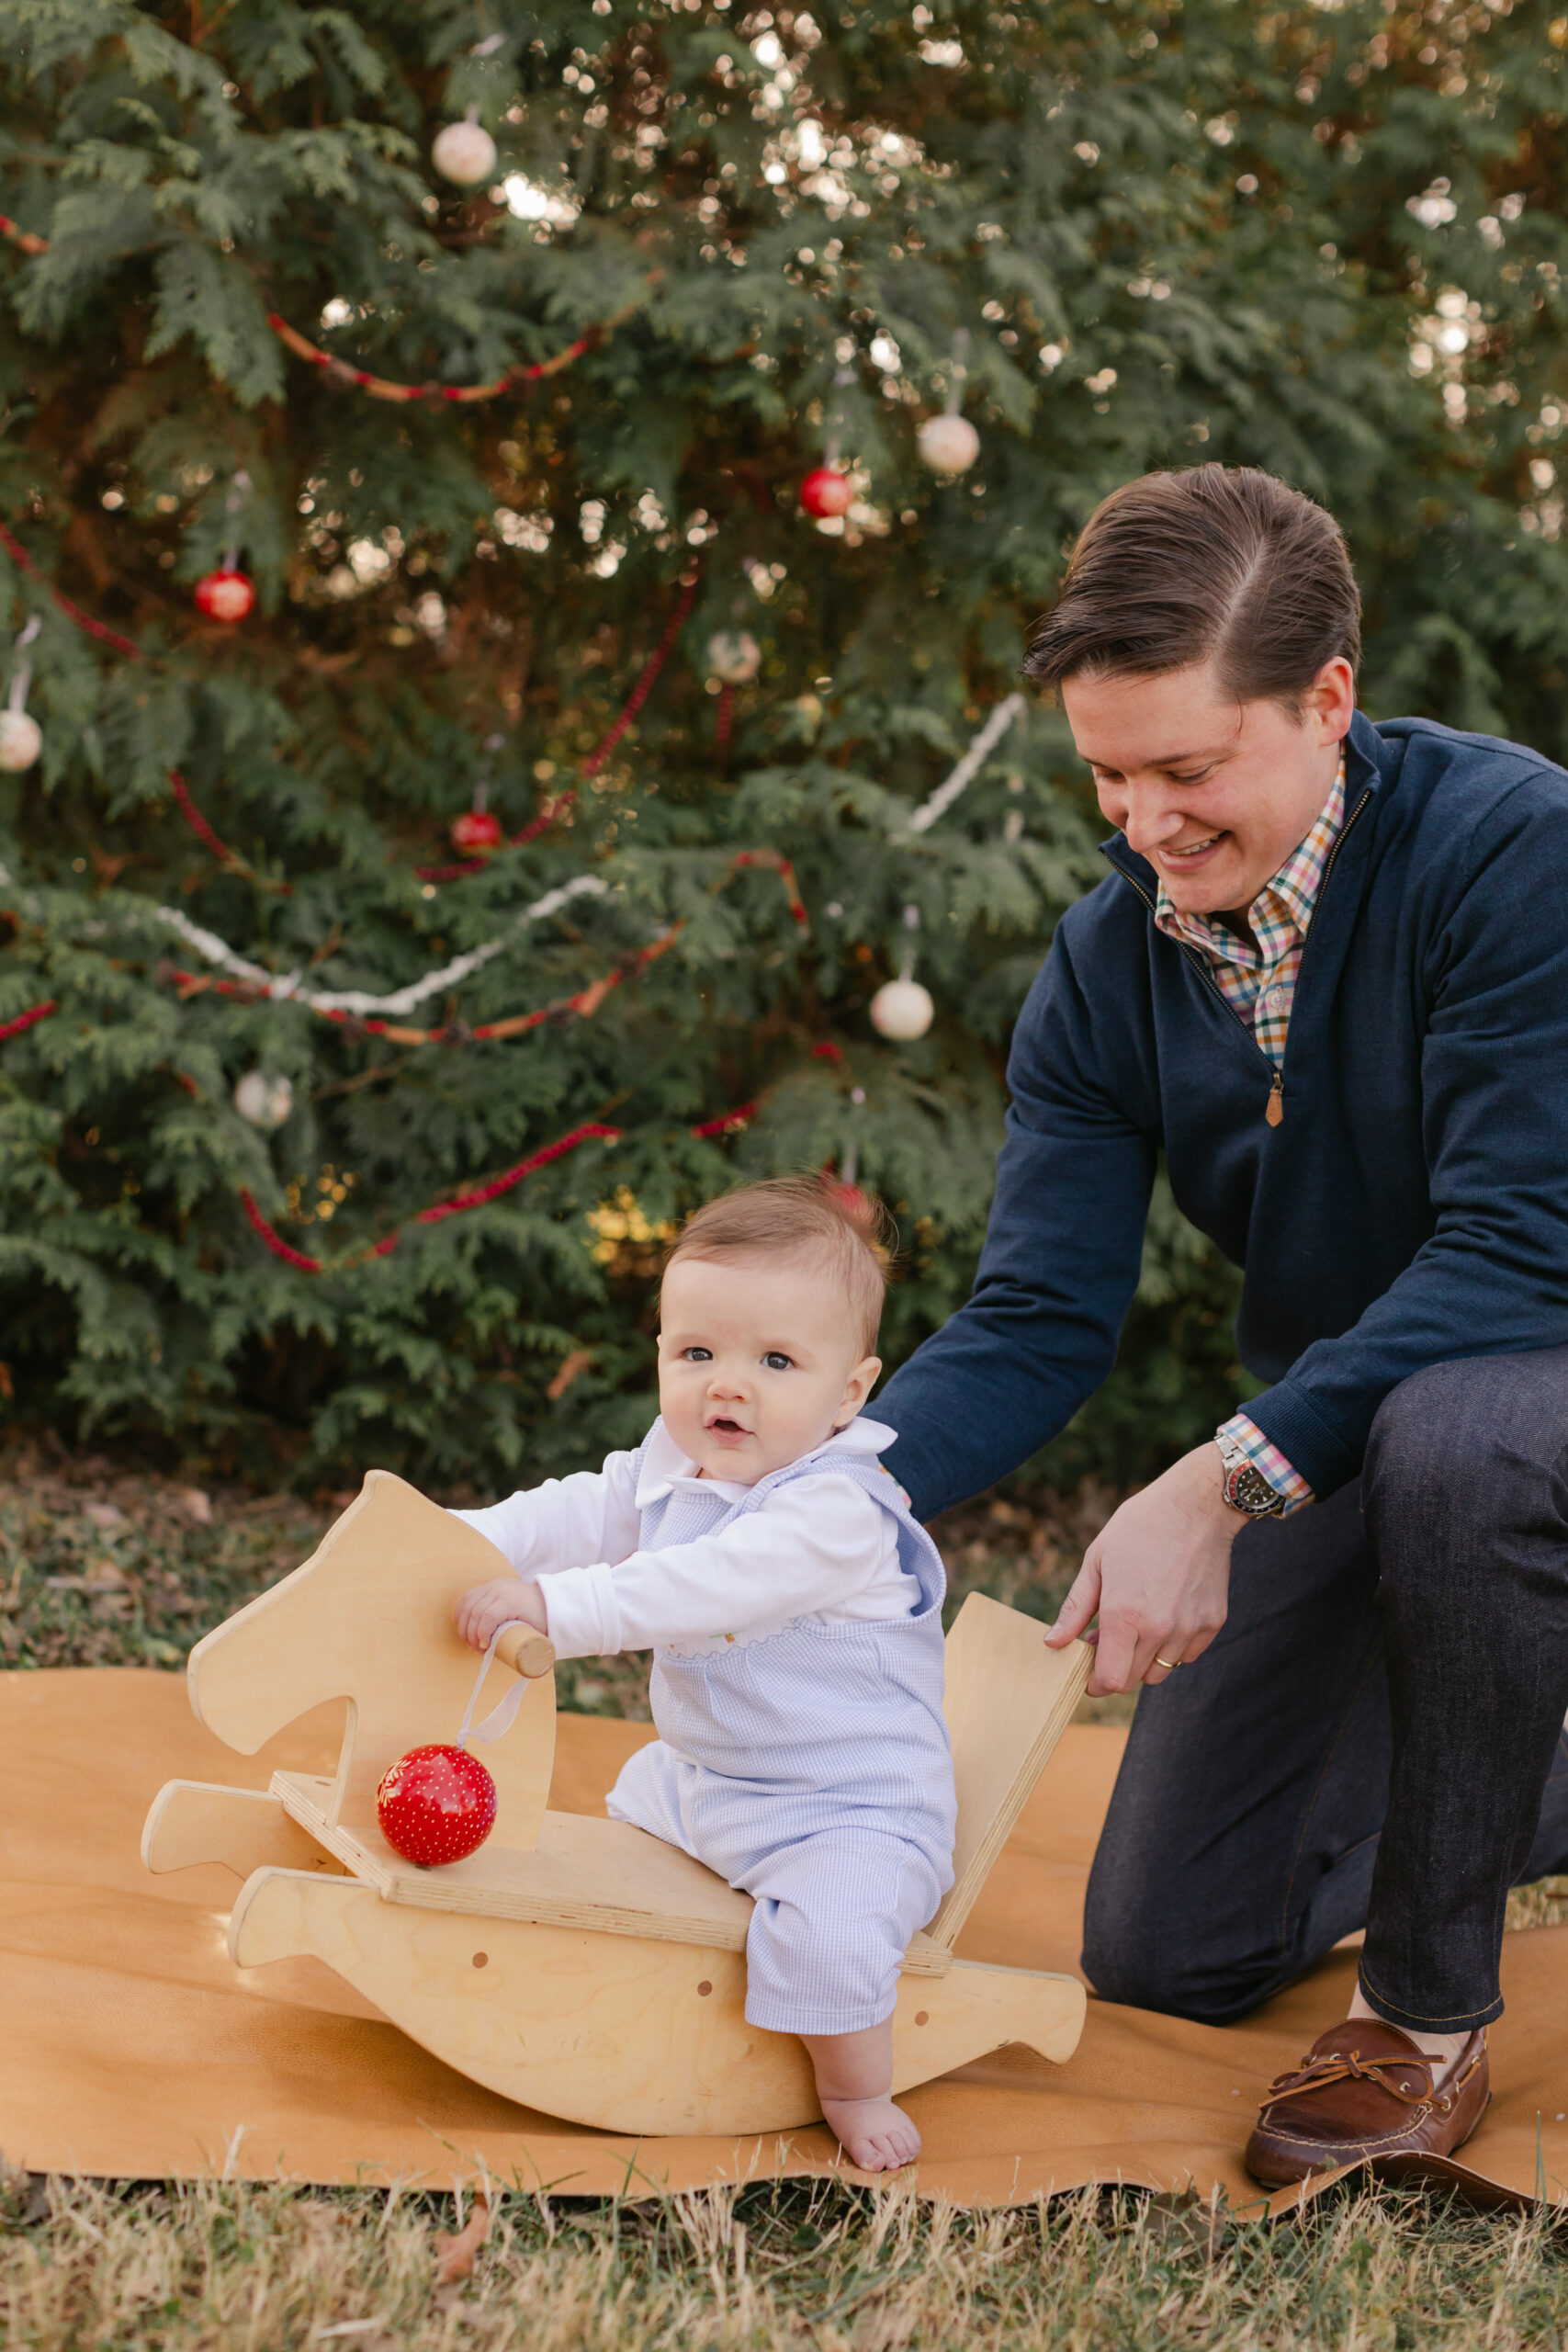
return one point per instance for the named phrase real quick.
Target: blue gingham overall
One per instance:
(810, 1768)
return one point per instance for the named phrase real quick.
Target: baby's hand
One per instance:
(505, 1601)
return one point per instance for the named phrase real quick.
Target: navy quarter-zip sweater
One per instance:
(1412, 1205)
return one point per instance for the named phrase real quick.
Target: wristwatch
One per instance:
(1242, 1484)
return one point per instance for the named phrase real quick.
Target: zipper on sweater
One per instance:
(1274, 1109)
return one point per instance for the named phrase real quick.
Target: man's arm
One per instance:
(1492, 1279)
(1055, 1278)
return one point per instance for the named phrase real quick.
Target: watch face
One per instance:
(1249, 1490)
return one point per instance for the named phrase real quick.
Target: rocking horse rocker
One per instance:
(574, 1964)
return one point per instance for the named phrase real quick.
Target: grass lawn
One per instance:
(102, 1564)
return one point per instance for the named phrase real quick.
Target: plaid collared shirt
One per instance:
(1258, 979)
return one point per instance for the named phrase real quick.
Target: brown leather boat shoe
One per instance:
(1364, 2092)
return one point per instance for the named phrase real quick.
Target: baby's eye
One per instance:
(776, 1360)
(696, 1355)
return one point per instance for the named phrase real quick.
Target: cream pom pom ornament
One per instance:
(21, 738)
(464, 153)
(734, 657)
(264, 1102)
(22, 741)
(902, 1009)
(948, 444)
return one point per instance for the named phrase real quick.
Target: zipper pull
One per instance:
(1274, 1109)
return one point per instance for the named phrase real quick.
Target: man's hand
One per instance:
(1159, 1576)
(505, 1601)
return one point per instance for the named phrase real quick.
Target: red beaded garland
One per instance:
(224, 594)
(825, 490)
(435, 1805)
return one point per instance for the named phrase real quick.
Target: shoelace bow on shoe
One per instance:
(1341, 2066)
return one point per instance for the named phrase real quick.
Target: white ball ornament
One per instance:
(734, 657)
(464, 153)
(902, 1009)
(948, 444)
(22, 741)
(265, 1102)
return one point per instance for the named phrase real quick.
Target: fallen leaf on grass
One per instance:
(455, 2257)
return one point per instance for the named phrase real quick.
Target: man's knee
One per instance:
(1132, 1956)
(1434, 1451)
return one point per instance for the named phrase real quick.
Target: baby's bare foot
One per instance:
(873, 2132)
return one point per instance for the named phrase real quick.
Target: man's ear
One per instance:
(1331, 700)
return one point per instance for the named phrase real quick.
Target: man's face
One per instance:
(1213, 793)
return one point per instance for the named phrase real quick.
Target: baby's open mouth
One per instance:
(728, 1428)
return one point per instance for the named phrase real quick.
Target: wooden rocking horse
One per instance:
(577, 1965)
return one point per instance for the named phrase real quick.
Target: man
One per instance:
(1327, 976)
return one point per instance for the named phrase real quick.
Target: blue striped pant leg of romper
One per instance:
(835, 1913)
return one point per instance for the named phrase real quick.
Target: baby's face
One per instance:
(758, 1362)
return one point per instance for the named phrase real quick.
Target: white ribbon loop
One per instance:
(499, 1720)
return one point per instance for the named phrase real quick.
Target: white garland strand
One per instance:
(285, 985)
(968, 768)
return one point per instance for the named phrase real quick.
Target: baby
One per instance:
(794, 1607)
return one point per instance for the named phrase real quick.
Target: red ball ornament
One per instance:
(476, 829)
(435, 1805)
(825, 490)
(224, 594)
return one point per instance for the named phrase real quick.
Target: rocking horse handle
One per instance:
(525, 1651)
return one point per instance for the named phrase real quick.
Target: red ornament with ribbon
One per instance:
(228, 594)
(826, 491)
(438, 1803)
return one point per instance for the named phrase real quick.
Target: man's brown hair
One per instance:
(1207, 564)
(834, 1227)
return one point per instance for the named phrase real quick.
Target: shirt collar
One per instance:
(666, 1469)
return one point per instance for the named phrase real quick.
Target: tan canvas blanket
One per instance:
(130, 2047)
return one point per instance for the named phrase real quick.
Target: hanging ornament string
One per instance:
(433, 1216)
(286, 986)
(589, 767)
(378, 388)
(948, 442)
(585, 1004)
(382, 387)
(968, 769)
(727, 1123)
(354, 1008)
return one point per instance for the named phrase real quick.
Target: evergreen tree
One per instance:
(512, 463)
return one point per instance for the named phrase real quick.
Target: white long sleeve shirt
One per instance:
(818, 1547)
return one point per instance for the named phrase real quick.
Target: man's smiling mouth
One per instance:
(1193, 849)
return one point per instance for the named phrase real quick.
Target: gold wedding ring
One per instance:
(1170, 1664)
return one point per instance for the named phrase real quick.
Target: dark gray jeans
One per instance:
(1375, 1739)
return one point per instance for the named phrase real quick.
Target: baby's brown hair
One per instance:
(847, 1233)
